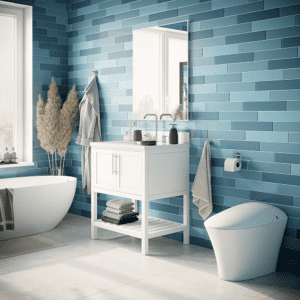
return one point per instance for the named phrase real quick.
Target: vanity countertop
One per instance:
(160, 144)
(137, 146)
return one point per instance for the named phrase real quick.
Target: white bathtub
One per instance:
(40, 203)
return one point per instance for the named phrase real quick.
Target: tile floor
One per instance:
(112, 267)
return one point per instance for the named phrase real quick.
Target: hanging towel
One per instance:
(89, 129)
(202, 184)
(6, 210)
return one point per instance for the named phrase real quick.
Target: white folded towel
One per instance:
(201, 189)
(119, 204)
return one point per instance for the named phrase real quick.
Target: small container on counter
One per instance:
(126, 136)
(13, 155)
(173, 136)
(137, 135)
(5, 156)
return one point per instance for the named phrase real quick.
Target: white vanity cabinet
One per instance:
(145, 173)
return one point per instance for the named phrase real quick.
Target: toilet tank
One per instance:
(247, 215)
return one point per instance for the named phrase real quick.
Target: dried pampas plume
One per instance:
(68, 121)
(51, 117)
(178, 114)
(56, 125)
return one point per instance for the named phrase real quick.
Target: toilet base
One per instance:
(247, 253)
(248, 277)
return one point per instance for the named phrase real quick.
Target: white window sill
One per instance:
(19, 164)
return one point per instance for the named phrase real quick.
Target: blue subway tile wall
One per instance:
(50, 58)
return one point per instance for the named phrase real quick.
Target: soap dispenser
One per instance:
(5, 156)
(13, 155)
(173, 136)
(126, 136)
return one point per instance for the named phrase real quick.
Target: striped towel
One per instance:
(119, 216)
(119, 204)
(119, 211)
(6, 210)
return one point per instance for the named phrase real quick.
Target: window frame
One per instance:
(23, 131)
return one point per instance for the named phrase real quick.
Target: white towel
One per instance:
(202, 184)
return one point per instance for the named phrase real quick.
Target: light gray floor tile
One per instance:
(112, 267)
(182, 283)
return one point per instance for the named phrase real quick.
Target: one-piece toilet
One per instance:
(246, 240)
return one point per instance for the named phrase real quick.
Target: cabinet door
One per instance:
(105, 169)
(129, 172)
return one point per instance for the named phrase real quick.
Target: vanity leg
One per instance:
(135, 207)
(144, 226)
(186, 218)
(93, 215)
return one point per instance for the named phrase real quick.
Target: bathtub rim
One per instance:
(59, 180)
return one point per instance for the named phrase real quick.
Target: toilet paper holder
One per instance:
(236, 154)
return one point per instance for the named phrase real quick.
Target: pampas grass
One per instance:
(55, 124)
(178, 114)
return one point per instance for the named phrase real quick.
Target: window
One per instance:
(16, 79)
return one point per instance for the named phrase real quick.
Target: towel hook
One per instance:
(210, 142)
(95, 72)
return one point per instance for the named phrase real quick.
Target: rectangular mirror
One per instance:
(160, 71)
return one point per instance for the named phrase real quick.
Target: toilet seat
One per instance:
(244, 216)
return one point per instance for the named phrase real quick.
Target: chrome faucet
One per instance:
(166, 115)
(155, 123)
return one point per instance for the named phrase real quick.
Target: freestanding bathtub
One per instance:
(40, 203)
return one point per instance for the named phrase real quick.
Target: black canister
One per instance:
(137, 135)
(173, 136)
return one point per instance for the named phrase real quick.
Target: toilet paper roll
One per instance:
(232, 164)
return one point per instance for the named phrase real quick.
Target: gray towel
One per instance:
(202, 184)
(89, 129)
(119, 204)
(119, 211)
(6, 210)
(119, 216)
(120, 222)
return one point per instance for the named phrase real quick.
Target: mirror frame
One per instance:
(181, 65)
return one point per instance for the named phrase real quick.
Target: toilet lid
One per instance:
(247, 215)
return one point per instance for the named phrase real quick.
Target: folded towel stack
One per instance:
(119, 212)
